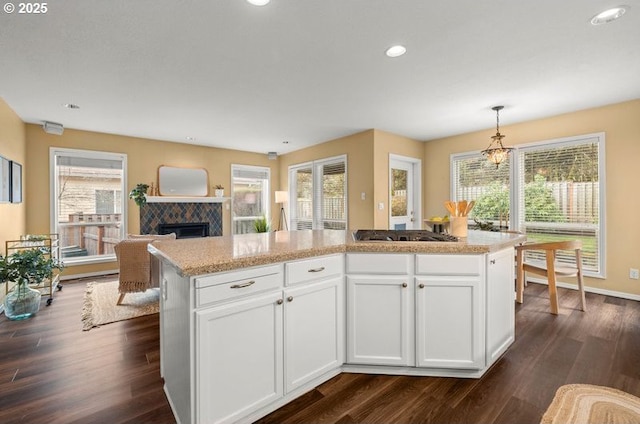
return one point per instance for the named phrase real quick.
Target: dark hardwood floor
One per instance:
(53, 372)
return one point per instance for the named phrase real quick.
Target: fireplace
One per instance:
(153, 215)
(185, 229)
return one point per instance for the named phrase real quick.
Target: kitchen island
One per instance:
(249, 323)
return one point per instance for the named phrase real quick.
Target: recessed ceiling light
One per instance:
(395, 51)
(609, 15)
(259, 2)
(71, 106)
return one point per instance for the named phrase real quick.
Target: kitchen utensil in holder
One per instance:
(458, 226)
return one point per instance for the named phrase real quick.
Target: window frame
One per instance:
(266, 191)
(515, 184)
(54, 152)
(317, 223)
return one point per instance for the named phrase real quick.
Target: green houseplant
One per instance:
(24, 268)
(138, 194)
(261, 225)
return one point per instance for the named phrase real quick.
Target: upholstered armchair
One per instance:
(134, 262)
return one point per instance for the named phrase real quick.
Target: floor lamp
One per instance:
(282, 197)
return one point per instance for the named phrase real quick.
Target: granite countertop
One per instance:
(197, 256)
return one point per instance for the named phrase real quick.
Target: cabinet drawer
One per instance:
(314, 269)
(378, 263)
(222, 287)
(449, 264)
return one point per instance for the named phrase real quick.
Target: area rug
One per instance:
(100, 304)
(586, 404)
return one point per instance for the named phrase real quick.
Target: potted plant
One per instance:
(25, 267)
(139, 194)
(261, 225)
(219, 190)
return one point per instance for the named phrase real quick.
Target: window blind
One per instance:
(333, 209)
(559, 196)
(302, 206)
(475, 178)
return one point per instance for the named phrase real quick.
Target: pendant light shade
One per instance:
(496, 152)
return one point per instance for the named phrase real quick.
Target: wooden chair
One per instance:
(549, 269)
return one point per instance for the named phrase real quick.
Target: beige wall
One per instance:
(12, 147)
(359, 150)
(621, 125)
(143, 158)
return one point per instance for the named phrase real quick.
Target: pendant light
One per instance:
(496, 152)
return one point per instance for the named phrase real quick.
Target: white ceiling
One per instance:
(306, 71)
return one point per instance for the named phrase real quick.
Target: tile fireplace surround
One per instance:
(154, 214)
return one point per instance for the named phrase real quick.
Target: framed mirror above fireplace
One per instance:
(176, 181)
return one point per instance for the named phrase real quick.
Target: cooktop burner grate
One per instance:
(402, 235)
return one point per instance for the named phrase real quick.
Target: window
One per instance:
(475, 178)
(551, 190)
(318, 193)
(87, 203)
(250, 196)
(559, 195)
(108, 201)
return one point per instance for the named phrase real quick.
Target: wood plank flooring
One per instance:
(53, 372)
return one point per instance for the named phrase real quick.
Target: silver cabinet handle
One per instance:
(163, 288)
(279, 301)
(404, 284)
(316, 269)
(290, 299)
(421, 286)
(240, 286)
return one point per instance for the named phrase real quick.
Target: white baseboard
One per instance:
(89, 274)
(595, 290)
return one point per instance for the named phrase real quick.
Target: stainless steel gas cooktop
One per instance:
(401, 235)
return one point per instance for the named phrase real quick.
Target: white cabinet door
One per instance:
(176, 356)
(380, 320)
(239, 357)
(313, 331)
(500, 303)
(450, 322)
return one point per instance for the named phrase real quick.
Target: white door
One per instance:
(313, 331)
(239, 356)
(404, 193)
(380, 321)
(449, 322)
